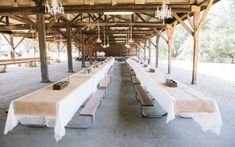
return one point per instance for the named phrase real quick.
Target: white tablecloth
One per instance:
(207, 121)
(66, 107)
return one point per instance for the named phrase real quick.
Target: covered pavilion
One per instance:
(82, 19)
(107, 88)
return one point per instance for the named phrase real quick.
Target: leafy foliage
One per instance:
(216, 37)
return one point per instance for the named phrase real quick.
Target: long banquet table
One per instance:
(55, 108)
(180, 100)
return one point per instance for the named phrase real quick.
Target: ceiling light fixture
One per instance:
(163, 12)
(54, 7)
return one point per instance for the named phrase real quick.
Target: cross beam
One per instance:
(141, 8)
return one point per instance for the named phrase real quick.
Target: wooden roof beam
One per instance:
(143, 20)
(205, 14)
(141, 8)
(182, 23)
(52, 21)
(160, 34)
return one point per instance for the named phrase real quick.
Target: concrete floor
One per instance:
(118, 123)
(18, 81)
(215, 80)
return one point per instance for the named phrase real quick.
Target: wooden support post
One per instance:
(42, 47)
(13, 47)
(170, 31)
(95, 53)
(11, 43)
(83, 49)
(197, 23)
(149, 60)
(58, 49)
(136, 50)
(157, 50)
(69, 49)
(144, 51)
(90, 54)
(196, 20)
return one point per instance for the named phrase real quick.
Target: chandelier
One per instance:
(163, 12)
(54, 8)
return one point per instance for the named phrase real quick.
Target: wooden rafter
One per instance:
(85, 24)
(7, 20)
(204, 14)
(1, 18)
(75, 18)
(30, 21)
(142, 19)
(52, 21)
(183, 23)
(160, 34)
(11, 43)
(190, 21)
(22, 39)
(142, 8)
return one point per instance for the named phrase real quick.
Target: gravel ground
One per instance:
(209, 80)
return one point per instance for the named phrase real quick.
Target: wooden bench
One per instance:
(135, 80)
(145, 102)
(90, 109)
(130, 68)
(104, 83)
(133, 73)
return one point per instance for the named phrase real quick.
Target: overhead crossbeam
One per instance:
(141, 8)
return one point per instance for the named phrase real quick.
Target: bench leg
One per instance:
(35, 125)
(82, 127)
(143, 114)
